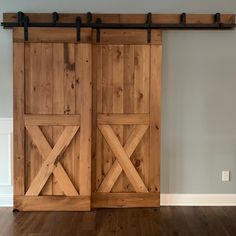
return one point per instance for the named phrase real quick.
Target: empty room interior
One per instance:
(117, 118)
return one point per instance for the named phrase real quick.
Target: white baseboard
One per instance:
(198, 199)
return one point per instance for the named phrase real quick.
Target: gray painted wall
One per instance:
(198, 95)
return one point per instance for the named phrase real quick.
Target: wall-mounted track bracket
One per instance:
(149, 23)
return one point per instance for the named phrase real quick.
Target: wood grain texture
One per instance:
(53, 85)
(183, 220)
(121, 107)
(58, 102)
(33, 90)
(155, 116)
(122, 158)
(49, 164)
(52, 120)
(129, 100)
(84, 64)
(124, 200)
(45, 149)
(52, 203)
(126, 37)
(52, 35)
(97, 160)
(129, 148)
(18, 113)
(123, 119)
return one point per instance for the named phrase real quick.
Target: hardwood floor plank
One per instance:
(121, 222)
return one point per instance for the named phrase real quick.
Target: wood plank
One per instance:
(122, 158)
(52, 203)
(129, 148)
(45, 149)
(33, 91)
(52, 35)
(123, 119)
(129, 100)
(118, 99)
(124, 200)
(97, 103)
(85, 74)
(52, 120)
(58, 101)
(155, 108)
(126, 36)
(69, 105)
(123, 18)
(49, 165)
(140, 158)
(143, 167)
(78, 95)
(45, 101)
(107, 102)
(18, 114)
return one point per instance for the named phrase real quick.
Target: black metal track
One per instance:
(124, 26)
(23, 21)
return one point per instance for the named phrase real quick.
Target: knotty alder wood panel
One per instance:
(52, 120)
(126, 154)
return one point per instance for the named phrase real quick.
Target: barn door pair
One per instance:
(86, 119)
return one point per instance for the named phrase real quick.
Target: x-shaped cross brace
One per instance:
(123, 155)
(51, 162)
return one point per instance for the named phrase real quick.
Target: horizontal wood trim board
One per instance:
(123, 119)
(125, 200)
(55, 35)
(127, 36)
(52, 120)
(123, 18)
(52, 203)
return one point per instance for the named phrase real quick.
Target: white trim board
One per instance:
(198, 199)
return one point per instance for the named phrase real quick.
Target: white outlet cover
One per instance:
(225, 175)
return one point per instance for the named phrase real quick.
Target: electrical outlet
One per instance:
(225, 175)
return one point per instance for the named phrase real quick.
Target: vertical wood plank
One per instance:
(33, 92)
(139, 100)
(118, 101)
(27, 110)
(107, 102)
(58, 99)
(19, 139)
(145, 156)
(97, 108)
(128, 100)
(46, 80)
(85, 63)
(78, 94)
(69, 105)
(155, 106)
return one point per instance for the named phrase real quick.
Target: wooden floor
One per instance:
(164, 221)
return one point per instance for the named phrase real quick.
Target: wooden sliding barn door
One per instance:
(52, 120)
(126, 120)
